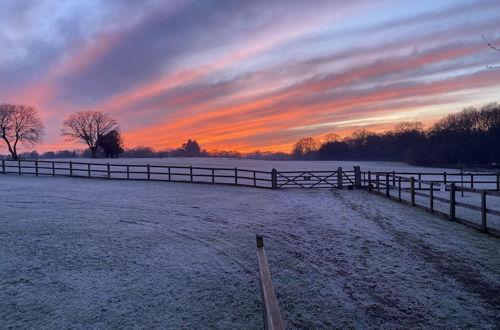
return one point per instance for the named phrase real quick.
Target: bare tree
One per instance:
(496, 48)
(20, 124)
(88, 127)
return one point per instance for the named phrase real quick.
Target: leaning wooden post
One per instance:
(452, 201)
(412, 191)
(274, 179)
(369, 181)
(431, 197)
(340, 183)
(270, 309)
(483, 210)
(36, 167)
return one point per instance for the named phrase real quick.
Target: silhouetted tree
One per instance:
(305, 148)
(19, 124)
(191, 148)
(111, 143)
(88, 127)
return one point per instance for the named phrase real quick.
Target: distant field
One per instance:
(79, 253)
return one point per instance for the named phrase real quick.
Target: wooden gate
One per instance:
(314, 179)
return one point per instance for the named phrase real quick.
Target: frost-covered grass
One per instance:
(79, 253)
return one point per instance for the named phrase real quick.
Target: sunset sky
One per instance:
(246, 75)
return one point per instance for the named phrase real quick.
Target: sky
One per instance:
(246, 75)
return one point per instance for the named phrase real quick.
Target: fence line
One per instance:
(413, 191)
(228, 176)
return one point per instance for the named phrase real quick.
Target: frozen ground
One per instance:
(79, 253)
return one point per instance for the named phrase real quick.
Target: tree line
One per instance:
(470, 137)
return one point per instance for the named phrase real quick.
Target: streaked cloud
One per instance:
(247, 75)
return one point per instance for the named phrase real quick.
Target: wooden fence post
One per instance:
(149, 171)
(394, 178)
(369, 181)
(19, 166)
(36, 167)
(169, 174)
(452, 201)
(444, 178)
(419, 181)
(236, 176)
(274, 179)
(378, 182)
(399, 189)
(340, 182)
(498, 181)
(70, 168)
(472, 180)
(412, 191)
(387, 192)
(3, 165)
(213, 175)
(431, 196)
(357, 177)
(109, 170)
(191, 173)
(88, 169)
(254, 179)
(53, 168)
(483, 210)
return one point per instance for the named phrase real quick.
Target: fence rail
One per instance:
(440, 198)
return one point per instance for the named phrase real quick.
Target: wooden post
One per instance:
(357, 177)
(88, 169)
(340, 182)
(394, 178)
(128, 172)
(412, 191)
(452, 201)
(36, 167)
(399, 189)
(419, 181)
(235, 175)
(472, 181)
(431, 197)
(213, 175)
(254, 179)
(483, 210)
(169, 174)
(19, 166)
(444, 178)
(274, 179)
(387, 192)
(378, 182)
(149, 171)
(191, 172)
(53, 169)
(3, 165)
(70, 168)
(109, 170)
(369, 181)
(498, 181)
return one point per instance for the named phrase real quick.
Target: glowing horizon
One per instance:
(246, 76)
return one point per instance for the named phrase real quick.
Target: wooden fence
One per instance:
(270, 306)
(227, 176)
(441, 198)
